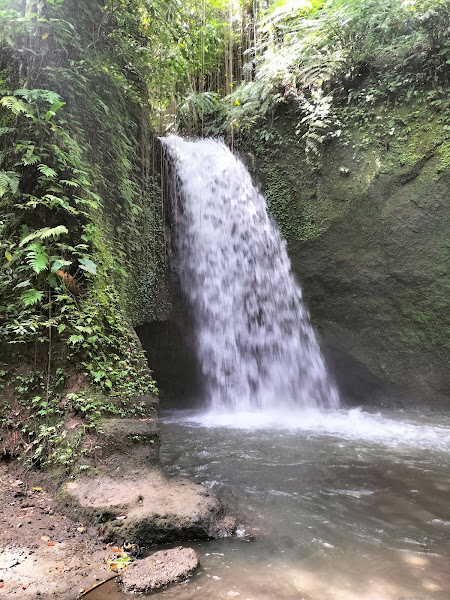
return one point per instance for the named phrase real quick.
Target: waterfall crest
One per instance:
(253, 335)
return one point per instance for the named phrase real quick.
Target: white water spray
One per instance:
(254, 339)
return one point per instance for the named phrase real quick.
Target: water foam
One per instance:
(354, 424)
(254, 339)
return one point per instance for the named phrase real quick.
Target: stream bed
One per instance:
(335, 505)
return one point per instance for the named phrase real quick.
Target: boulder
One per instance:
(159, 570)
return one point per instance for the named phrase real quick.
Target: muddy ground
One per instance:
(44, 554)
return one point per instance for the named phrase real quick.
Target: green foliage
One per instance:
(74, 202)
(320, 56)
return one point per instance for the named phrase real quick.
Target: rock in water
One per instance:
(159, 569)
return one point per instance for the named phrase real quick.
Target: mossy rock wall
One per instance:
(369, 238)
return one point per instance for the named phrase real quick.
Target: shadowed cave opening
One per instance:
(172, 359)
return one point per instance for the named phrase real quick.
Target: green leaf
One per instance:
(44, 233)
(54, 231)
(56, 106)
(31, 297)
(47, 171)
(87, 265)
(83, 329)
(15, 105)
(54, 281)
(56, 266)
(6, 130)
(23, 284)
(37, 257)
(9, 182)
(75, 339)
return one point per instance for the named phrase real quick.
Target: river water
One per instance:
(334, 505)
(341, 505)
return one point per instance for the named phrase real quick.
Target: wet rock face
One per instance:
(371, 252)
(159, 570)
(377, 284)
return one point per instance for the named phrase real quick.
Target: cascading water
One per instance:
(254, 339)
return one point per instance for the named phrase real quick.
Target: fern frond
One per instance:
(44, 233)
(198, 105)
(9, 182)
(31, 297)
(54, 231)
(47, 171)
(6, 130)
(37, 257)
(15, 105)
(30, 159)
(38, 94)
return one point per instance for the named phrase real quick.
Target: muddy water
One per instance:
(339, 506)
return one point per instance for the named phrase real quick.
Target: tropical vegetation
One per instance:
(85, 87)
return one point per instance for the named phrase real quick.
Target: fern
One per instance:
(44, 233)
(53, 232)
(37, 257)
(15, 105)
(31, 297)
(9, 182)
(197, 107)
(23, 284)
(6, 130)
(47, 171)
(38, 94)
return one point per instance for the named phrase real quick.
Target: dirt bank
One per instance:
(47, 553)
(44, 554)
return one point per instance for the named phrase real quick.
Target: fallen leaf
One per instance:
(37, 489)
(25, 585)
(60, 565)
(21, 516)
(119, 517)
(45, 538)
(81, 529)
(50, 544)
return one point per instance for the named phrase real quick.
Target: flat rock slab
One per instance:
(159, 569)
(148, 508)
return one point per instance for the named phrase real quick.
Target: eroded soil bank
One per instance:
(58, 538)
(44, 554)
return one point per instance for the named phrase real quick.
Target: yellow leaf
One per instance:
(8, 256)
(45, 36)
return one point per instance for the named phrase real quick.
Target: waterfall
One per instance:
(253, 335)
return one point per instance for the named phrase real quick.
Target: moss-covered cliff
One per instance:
(81, 227)
(368, 228)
